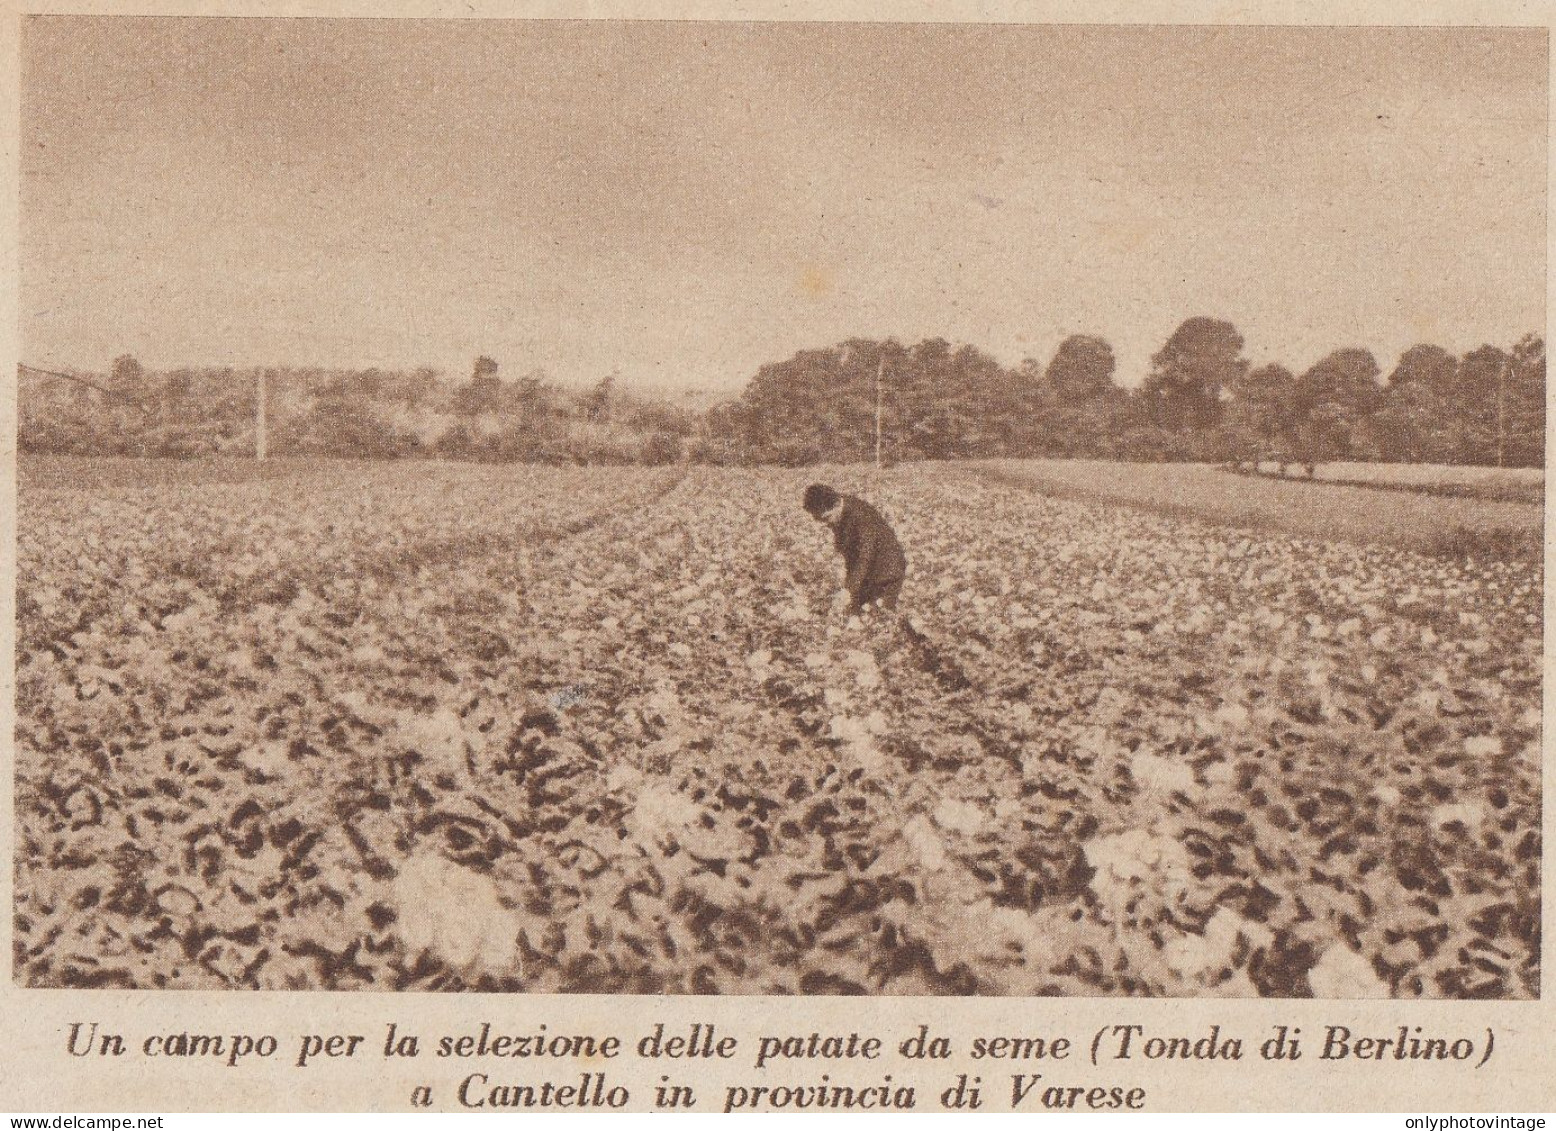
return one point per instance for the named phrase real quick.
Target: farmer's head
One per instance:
(820, 500)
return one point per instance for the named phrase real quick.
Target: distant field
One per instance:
(1502, 484)
(1427, 523)
(44, 472)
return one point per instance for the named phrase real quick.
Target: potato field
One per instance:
(452, 727)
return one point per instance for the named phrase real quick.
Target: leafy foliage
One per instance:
(1201, 402)
(1183, 390)
(272, 732)
(932, 400)
(366, 413)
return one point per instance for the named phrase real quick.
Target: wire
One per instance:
(109, 393)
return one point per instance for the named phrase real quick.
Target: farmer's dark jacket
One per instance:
(871, 553)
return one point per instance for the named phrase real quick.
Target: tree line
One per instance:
(354, 413)
(1201, 400)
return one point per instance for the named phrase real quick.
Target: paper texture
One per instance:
(475, 784)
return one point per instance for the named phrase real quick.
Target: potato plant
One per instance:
(599, 730)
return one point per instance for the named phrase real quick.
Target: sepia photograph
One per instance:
(758, 508)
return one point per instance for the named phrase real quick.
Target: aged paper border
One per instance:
(39, 1077)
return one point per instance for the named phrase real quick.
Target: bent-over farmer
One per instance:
(872, 556)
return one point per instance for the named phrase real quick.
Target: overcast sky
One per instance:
(682, 202)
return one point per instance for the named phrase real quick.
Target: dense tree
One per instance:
(407, 389)
(1082, 368)
(1183, 389)
(177, 386)
(1426, 365)
(1495, 411)
(357, 385)
(1081, 404)
(731, 433)
(1411, 427)
(1260, 414)
(1478, 406)
(924, 418)
(1345, 377)
(423, 383)
(851, 378)
(533, 395)
(126, 377)
(1331, 400)
(936, 399)
(795, 411)
(978, 397)
(484, 391)
(600, 402)
(1523, 421)
(127, 386)
(1032, 410)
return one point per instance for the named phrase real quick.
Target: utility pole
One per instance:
(880, 372)
(1502, 375)
(261, 437)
